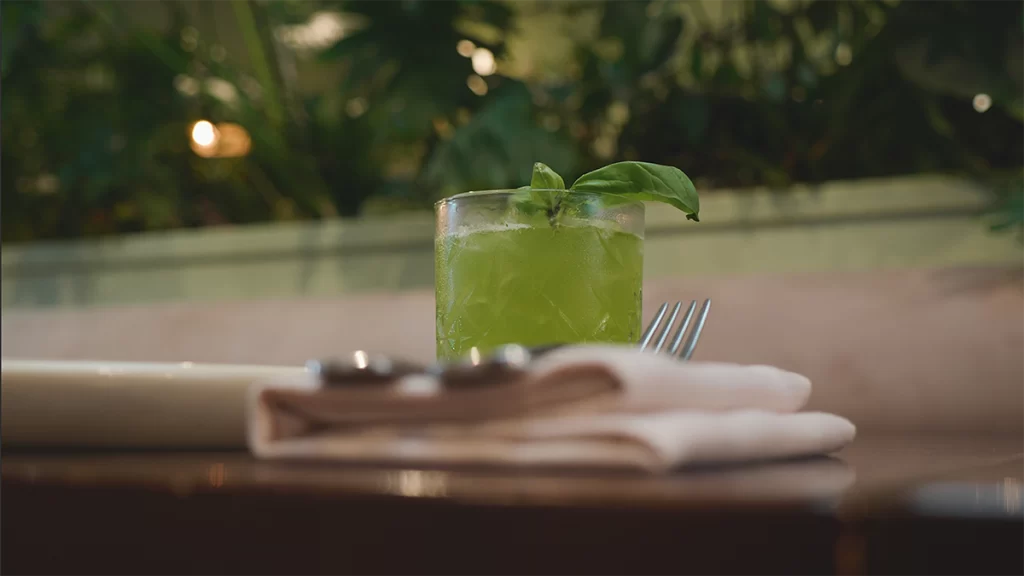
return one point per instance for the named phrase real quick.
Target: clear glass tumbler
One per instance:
(508, 271)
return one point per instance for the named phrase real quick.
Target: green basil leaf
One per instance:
(544, 178)
(530, 202)
(643, 181)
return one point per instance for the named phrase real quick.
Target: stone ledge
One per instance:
(919, 221)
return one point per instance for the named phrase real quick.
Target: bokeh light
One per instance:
(204, 133)
(483, 62)
(844, 54)
(465, 48)
(477, 84)
(982, 102)
(225, 140)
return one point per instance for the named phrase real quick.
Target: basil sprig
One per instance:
(627, 181)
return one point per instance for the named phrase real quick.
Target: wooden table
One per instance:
(885, 505)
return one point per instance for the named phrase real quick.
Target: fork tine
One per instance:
(677, 340)
(691, 342)
(667, 328)
(649, 333)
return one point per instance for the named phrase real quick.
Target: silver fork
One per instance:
(676, 347)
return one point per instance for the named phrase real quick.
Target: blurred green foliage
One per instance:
(97, 107)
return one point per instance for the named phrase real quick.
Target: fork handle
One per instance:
(536, 351)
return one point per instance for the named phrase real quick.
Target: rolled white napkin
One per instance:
(586, 406)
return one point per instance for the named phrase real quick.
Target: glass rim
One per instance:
(509, 191)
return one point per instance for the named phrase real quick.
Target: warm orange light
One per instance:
(204, 133)
(225, 140)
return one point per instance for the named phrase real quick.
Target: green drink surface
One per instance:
(535, 286)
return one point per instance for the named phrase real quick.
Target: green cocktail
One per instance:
(506, 273)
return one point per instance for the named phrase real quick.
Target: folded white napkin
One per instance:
(586, 406)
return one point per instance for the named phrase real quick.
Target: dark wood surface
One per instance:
(884, 505)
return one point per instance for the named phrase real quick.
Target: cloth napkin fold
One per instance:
(585, 406)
